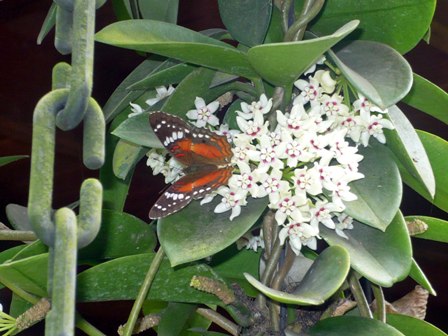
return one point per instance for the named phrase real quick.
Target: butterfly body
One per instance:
(205, 155)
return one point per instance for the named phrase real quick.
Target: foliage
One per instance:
(272, 46)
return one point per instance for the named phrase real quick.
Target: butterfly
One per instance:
(206, 156)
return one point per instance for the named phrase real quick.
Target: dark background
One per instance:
(25, 73)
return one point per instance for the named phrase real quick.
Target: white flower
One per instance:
(272, 185)
(290, 207)
(203, 114)
(310, 91)
(252, 128)
(231, 200)
(175, 171)
(135, 110)
(307, 181)
(322, 212)
(266, 155)
(295, 151)
(353, 126)
(229, 133)
(162, 92)
(364, 105)
(374, 125)
(295, 121)
(327, 83)
(299, 234)
(333, 107)
(249, 241)
(262, 106)
(155, 160)
(245, 181)
(344, 222)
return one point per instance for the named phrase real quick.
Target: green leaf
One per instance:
(275, 31)
(322, 280)
(121, 234)
(29, 274)
(194, 85)
(411, 326)
(138, 131)
(18, 306)
(408, 150)
(197, 232)
(18, 217)
(121, 97)
(429, 98)
(230, 116)
(172, 75)
(120, 279)
(49, 22)
(437, 228)
(382, 257)
(376, 70)
(282, 63)
(352, 326)
(231, 263)
(122, 9)
(239, 18)
(30, 250)
(159, 10)
(4, 160)
(126, 156)
(398, 23)
(417, 274)
(174, 318)
(437, 150)
(177, 42)
(379, 192)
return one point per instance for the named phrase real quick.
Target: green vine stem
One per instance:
(284, 269)
(85, 326)
(358, 294)
(380, 311)
(17, 235)
(146, 285)
(268, 228)
(309, 11)
(219, 320)
(285, 10)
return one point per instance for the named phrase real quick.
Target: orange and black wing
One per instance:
(190, 145)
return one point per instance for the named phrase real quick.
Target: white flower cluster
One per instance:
(303, 163)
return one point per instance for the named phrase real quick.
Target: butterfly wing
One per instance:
(190, 145)
(192, 186)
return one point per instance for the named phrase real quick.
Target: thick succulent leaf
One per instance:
(159, 10)
(398, 23)
(352, 326)
(172, 75)
(120, 279)
(4, 160)
(48, 24)
(177, 42)
(322, 280)
(121, 97)
(30, 250)
(408, 150)
(417, 274)
(138, 131)
(197, 231)
(126, 156)
(18, 217)
(411, 326)
(231, 114)
(275, 31)
(429, 98)
(376, 70)
(379, 192)
(382, 257)
(437, 228)
(282, 63)
(29, 274)
(239, 17)
(117, 228)
(194, 85)
(174, 318)
(437, 149)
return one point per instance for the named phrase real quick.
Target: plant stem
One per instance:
(85, 326)
(358, 294)
(268, 232)
(284, 269)
(17, 235)
(380, 312)
(309, 11)
(286, 7)
(218, 319)
(130, 324)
